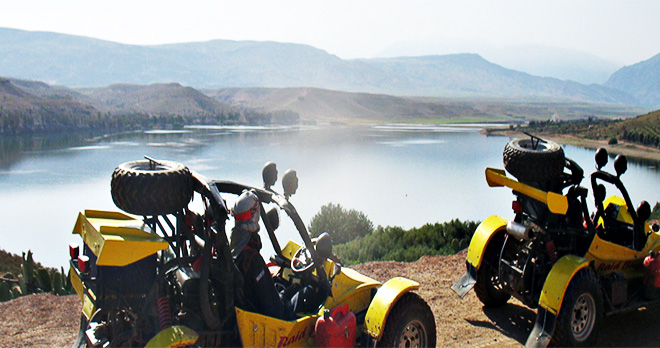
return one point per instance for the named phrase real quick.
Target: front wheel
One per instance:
(409, 324)
(581, 312)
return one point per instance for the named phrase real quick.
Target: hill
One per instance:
(23, 112)
(641, 130)
(641, 80)
(83, 62)
(32, 106)
(320, 105)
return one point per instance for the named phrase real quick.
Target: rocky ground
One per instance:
(49, 321)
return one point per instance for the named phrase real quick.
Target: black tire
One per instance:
(488, 288)
(544, 163)
(409, 324)
(81, 340)
(138, 188)
(581, 313)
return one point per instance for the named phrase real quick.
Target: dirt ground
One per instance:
(49, 321)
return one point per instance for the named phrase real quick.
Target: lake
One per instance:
(399, 175)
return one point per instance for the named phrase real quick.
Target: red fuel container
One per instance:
(652, 270)
(336, 328)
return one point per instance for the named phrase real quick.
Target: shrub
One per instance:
(396, 244)
(655, 213)
(612, 141)
(343, 225)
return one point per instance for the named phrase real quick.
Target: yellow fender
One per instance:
(382, 303)
(557, 281)
(482, 236)
(174, 336)
(551, 299)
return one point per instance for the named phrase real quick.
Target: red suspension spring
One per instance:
(552, 251)
(164, 313)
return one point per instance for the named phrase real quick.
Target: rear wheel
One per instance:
(409, 324)
(581, 312)
(488, 288)
(149, 188)
(81, 340)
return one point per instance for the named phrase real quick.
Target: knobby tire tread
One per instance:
(533, 165)
(405, 309)
(157, 192)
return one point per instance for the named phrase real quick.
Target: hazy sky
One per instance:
(625, 32)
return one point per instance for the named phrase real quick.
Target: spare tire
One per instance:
(526, 163)
(150, 188)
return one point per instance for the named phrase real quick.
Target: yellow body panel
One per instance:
(558, 279)
(624, 215)
(482, 236)
(88, 307)
(351, 288)
(115, 238)
(174, 336)
(76, 283)
(611, 257)
(87, 302)
(290, 249)
(258, 330)
(383, 302)
(556, 202)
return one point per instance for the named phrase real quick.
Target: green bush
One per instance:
(396, 244)
(343, 225)
(655, 213)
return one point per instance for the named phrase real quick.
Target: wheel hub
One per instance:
(583, 317)
(413, 335)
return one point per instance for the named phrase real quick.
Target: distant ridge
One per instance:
(641, 80)
(33, 106)
(76, 61)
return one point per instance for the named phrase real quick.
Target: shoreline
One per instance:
(622, 148)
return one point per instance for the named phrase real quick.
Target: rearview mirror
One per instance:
(620, 165)
(289, 183)
(269, 174)
(274, 218)
(601, 158)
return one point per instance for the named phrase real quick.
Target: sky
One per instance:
(624, 32)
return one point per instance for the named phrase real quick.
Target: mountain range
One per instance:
(75, 61)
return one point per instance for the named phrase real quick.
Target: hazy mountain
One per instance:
(641, 80)
(78, 61)
(537, 60)
(470, 74)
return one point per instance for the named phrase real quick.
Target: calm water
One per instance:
(398, 175)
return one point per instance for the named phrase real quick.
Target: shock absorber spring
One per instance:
(164, 312)
(552, 251)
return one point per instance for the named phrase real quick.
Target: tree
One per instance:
(342, 225)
